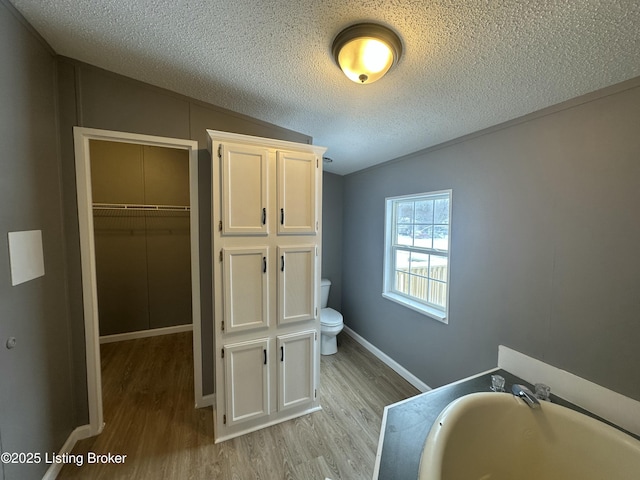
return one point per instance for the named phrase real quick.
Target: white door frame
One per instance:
(82, 136)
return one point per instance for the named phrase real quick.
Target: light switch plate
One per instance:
(26, 256)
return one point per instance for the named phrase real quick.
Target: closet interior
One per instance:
(141, 210)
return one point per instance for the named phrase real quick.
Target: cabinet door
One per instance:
(296, 354)
(296, 192)
(245, 288)
(246, 380)
(296, 283)
(244, 189)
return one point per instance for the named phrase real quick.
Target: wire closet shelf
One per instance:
(139, 210)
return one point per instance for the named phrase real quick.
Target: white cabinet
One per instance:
(245, 287)
(296, 192)
(244, 189)
(246, 372)
(267, 256)
(246, 380)
(245, 186)
(296, 283)
(296, 353)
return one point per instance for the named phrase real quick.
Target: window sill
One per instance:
(417, 306)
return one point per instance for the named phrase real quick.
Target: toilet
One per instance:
(330, 322)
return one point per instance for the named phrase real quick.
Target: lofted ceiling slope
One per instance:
(467, 64)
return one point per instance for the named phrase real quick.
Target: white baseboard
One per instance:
(206, 401)
(79, 433)
(390, 362)
(119, 337)
(618, 409)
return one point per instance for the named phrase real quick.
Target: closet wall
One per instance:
(142, 255)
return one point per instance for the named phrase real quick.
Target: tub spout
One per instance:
(525, 394)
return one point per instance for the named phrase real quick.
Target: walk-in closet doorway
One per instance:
(146, 223)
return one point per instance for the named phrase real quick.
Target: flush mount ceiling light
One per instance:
(366, 51)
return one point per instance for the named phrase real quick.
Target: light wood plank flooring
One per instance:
(149, 415)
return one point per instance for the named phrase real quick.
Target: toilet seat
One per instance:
(330, 318)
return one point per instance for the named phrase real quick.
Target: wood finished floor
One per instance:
(149, 415)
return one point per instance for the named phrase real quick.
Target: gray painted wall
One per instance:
(332, 193)
(36, 397)
(544, 255)
(95, 98)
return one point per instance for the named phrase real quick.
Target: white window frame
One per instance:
(431, 310)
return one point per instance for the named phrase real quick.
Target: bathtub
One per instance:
(496, 436)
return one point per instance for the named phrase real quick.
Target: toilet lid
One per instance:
(330, 318)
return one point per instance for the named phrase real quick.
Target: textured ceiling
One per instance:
(466, 65)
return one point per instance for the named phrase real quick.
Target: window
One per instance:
(417, 240)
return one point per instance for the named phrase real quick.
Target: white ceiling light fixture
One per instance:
(366, 51)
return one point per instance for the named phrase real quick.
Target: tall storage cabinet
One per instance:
(267, 257)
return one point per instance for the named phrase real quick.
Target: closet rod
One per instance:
(141, 207)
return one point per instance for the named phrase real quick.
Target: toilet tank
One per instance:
(325, 285)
